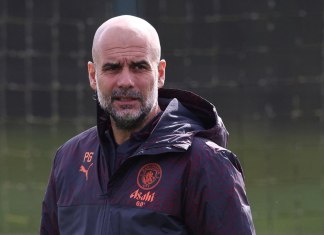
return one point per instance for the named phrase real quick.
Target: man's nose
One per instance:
(126, 78)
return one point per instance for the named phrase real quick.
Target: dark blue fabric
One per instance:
(200, 187)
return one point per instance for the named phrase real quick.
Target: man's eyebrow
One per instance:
(141, 62)
(111, 65)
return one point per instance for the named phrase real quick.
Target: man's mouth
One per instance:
(127, 98)
(125, 101)
(124, 98)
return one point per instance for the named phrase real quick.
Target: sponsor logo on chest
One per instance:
(148, 178)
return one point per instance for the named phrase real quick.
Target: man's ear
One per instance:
(92, 75)
(161, 71)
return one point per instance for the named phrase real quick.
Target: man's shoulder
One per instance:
(77, 146)
(208, 151)
(201, 143)
(83, 140)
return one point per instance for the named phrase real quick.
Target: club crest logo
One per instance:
(149, 176)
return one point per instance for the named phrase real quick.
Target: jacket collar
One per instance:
(185, 114)
(213, 126)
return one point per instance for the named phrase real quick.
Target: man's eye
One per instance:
(139, 67)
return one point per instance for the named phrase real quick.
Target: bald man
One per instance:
(155, 163)
(126, 53)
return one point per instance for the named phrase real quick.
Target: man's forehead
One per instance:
(127, 52)
(121, 46)
(126, 59)
(129, 49)
(119, 34)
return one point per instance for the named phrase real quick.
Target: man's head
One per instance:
(121, 24)
(126, 70)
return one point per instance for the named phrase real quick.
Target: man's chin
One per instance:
(128, 123)
(127, 114)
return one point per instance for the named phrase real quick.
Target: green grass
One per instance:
(283, 169)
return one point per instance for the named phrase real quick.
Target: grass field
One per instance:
(283, 169)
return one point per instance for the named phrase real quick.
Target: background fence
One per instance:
(260, 62)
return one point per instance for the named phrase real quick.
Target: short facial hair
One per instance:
(127, 121)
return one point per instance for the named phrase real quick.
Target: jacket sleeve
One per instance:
(49, 224)
(215, 200)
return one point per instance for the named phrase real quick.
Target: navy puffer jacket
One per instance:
(173, 177)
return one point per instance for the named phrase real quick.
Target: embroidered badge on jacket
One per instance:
(149, 176)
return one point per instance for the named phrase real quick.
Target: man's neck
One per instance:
(121, 135)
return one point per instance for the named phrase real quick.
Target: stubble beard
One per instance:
(127, 118)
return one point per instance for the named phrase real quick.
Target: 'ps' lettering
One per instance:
(88, 157)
